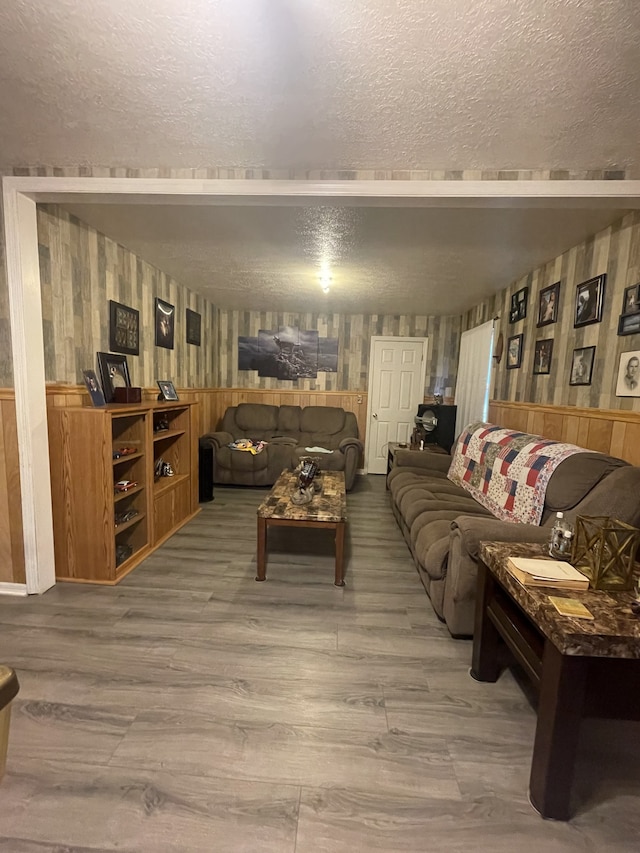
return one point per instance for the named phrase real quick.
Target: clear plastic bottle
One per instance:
(561, 538)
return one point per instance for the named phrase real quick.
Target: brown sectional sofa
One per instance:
(443, 525)
(289, 430)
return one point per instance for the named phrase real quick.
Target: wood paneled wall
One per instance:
(12, 568)
(606, 431)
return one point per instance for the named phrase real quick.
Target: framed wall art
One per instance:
(114, 373)
(629, 324)
(514, 351)
(631, 303)
(582, 366)
(542, 356)
(167, 390)
(194, 327)
(589, 301)
(548, 304)
(518, 309)
(165, 323)
(628, 384)
(124, 328)
(93, 387)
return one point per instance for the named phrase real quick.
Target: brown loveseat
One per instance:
(288, 431)
(443, 525)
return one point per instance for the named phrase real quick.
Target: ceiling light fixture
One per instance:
(325, 280)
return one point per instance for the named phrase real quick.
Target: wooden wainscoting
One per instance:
(12, 569)
(606, 430)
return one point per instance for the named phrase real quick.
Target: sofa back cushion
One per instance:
(574, 478)
(289, 420)
(322, 420)
(257, 416)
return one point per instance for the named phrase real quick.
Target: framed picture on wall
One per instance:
(518, 309)
(589, 300)
(631, 302)
(548, 304)
(514, 351)
(194, 327)
(114, 373)
(124, 328)
(542, 356)
(629, 324)
(582, 366)
(628, 384)
(165, 323)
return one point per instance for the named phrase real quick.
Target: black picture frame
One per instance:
(628, 382)
(124, 328)
(548, 300)
(543, 352)
(631, 301)
(167, 390)
(194, 327)
(165, 323)
(582, 366)
(114, 373)
(519, 301)
(93, 387)
(514, 351)
(589, 301)
(629, 324)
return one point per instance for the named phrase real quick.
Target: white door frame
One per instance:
(20, 195)
(394, 339)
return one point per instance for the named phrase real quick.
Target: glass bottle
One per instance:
(561, 538)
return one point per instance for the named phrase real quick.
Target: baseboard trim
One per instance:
(13, 589)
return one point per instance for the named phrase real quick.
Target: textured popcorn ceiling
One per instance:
(382, 260)
(429, 84)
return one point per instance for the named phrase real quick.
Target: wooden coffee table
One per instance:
(327, 510)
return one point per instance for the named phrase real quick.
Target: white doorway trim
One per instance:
(20, 195)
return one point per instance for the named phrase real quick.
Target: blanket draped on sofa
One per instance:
(507, 471)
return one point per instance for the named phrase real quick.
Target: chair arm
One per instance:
(351, 441)
(217, 439)
(422, 459)
(475, 529)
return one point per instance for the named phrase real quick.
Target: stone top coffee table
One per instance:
(327, 510)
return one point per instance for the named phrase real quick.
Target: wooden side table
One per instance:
(581, 668)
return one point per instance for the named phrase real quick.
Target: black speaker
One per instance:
(444, 433)
(206, 461)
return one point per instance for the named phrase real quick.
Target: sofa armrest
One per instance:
(422, 459)
(351, 441)
(475, 529)
(217, 439)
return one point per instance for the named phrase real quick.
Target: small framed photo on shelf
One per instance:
(628, 384)
(582, 366)
(93, 387)
(518, 309)
(114, 373)
(589, 300)
(542, 357)
(548, 305)
(514, 351)
(124, 329)
(165, 323)
(167, 391)
(631, 303)
(194, 327)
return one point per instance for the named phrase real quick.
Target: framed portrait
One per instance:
(548, 305)
(114, 373)
(582, 366)
(518, 310)
(630, 303)
(629, 324)
(194, 327)
(514, 351)
(542, 356)
(589, 300)
(167, 391)
(628, 384)
(93, 387)
(124, 328)
(165, 323)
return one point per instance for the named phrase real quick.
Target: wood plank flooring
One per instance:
(193, 709)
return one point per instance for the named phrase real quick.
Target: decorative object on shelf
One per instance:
(127, 395)
(548, 304)
(499, 349)
(123, 451)
(93, 387)
(628, 384)
(518, 309)
(123, 552)
(288, 353)
(194, 327)
(125, 485)
(161, 424)
(163, 468)
(114, 373)
(123, 517)
(589, 301)
(582, 366)
(631, 300)
(124, 328)
(165, 323)
(514, 351)
(605, 551)
(167, 391)
(542, 357)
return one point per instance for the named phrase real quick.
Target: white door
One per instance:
(397, 369)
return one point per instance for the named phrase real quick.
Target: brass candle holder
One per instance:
(604, 549)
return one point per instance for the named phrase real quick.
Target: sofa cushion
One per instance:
(321, 419)
(257, 416)
(575, 477)
(289, 420)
